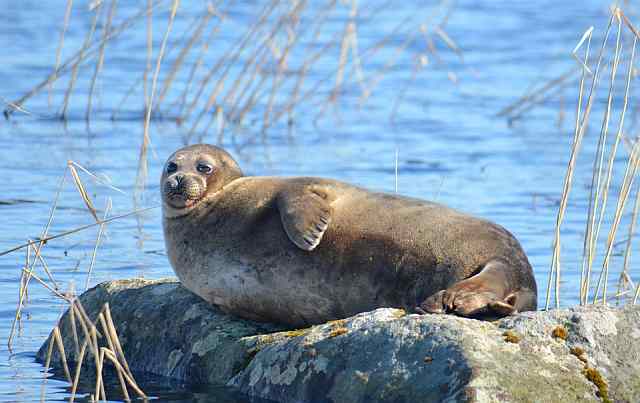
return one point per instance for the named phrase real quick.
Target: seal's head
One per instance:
(192, 173)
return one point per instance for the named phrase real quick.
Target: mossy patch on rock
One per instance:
(296, 332)
(580, 353)
(384, 355)
(338, 331)
(511, 337)
(560, 332)
(594, 376)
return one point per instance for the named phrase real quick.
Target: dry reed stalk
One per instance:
(342, 61)
(449, 42)
(148, 64)
(63, 356)
(76, 377)
(267, 44)
(278, 79)
(420, 64)
(29, 269)
(220, 125)
(107, 210)
(31, 274)
(355, 53)
(240, 109)
(125, 98)
(287, 109)
(75, 230)
(123, 385)
(624, 276)
(538, 96)
(83, 192)
(612, 155)
(230, 57)
(65, 25)
(96, 178)
(219, 85)
(111, 356)
(114, 353)
(212, 100)
(99, 391)
(182, 100)
(92, 334)
(248, 94)
(76, 66)
(11, 107)
(143, 79)
(598, 193)
(141, 176)
(22, 293)
(183, 53)
(74, 330)
(88, 327)
(47, 361)
(303, 70)
(377, 78)
(295, 97)
(628, 23)
(37, 245)
(237, 91)
(45, 267)
(580, 128)
(629, 176)
(116, 340)
(70, 62)
(119, 371)
(99, 64)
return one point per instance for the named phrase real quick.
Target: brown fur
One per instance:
(379, 250)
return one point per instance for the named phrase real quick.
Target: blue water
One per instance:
(440, 121)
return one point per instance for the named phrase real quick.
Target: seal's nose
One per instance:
(175, 181)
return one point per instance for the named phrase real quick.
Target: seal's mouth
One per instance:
(178, 201)
(183, 192)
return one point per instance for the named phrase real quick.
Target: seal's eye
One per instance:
(172, 167)
(204, 168)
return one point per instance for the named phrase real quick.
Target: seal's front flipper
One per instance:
(305, 213)
(488, 293)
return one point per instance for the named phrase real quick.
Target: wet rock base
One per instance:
(578, 354)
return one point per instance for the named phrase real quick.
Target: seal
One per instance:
(302, 251)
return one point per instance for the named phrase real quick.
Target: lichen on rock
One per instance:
(384, 355)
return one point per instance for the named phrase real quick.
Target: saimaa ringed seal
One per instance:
(302, 251)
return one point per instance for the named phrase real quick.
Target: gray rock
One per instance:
(384, 355)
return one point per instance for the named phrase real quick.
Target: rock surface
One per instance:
(384, 355)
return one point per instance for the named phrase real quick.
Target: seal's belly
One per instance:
(273, 290)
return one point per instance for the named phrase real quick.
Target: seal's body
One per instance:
(302, 251)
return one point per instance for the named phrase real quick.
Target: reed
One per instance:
(279, 63)
(229, 78)
(92, 331)
(606, 165)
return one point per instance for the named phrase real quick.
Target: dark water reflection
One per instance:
(450, 147)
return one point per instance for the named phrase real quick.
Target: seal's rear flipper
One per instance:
(488, 293)
(305, 213)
